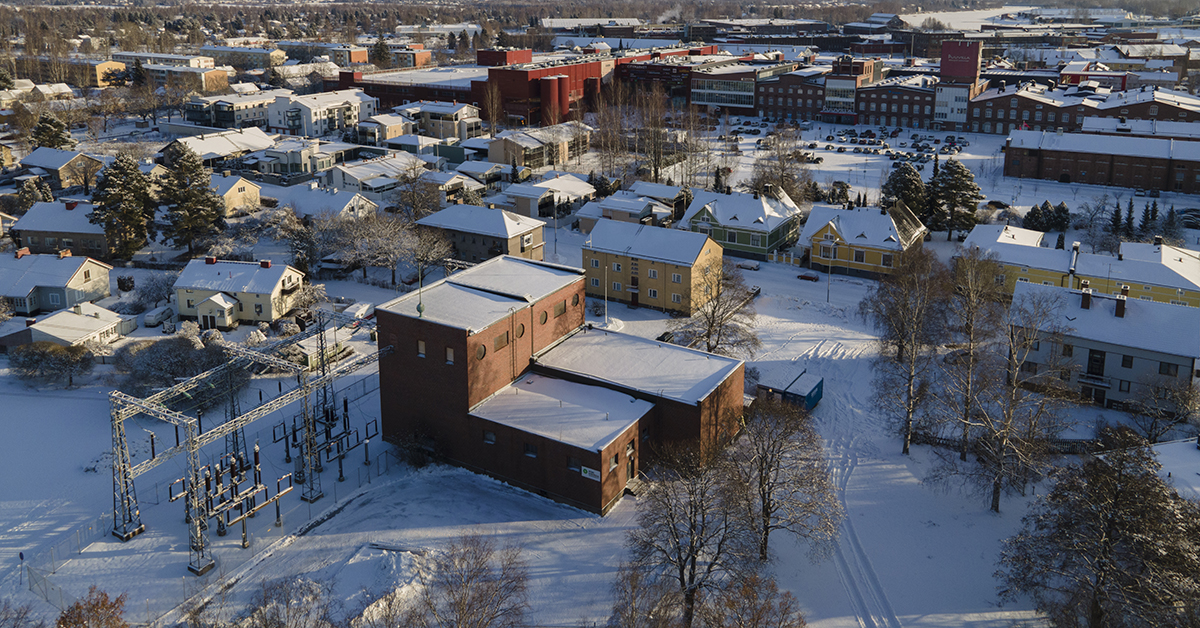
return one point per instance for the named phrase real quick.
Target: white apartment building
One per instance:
(156, 58)
(317, 115)
(232, 111)
(444, 119)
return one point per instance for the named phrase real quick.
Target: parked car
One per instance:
(809, 276)
(842, 149)
(1155, 193)
(1139, 192)
(748, 265)
(812, 144)
(158, 316)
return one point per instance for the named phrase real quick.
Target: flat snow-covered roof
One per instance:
(485, 293)
(588, 417)
(657, 368)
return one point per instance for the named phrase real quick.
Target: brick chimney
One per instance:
(22, 252)
(210, 260)
(1086, 300)
(265, 263)
(1157, 240)
(70, 205)
(29, 322)
(64, 253)
(1121, 306)
(1125, 291)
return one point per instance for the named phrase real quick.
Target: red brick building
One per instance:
(905, 101)
(798, 95)
(1132, 162)
(1035, 107)
(493, 369)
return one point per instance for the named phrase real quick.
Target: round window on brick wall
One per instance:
(520, 329)
(542, 318)
(574, 300)
(480, 352)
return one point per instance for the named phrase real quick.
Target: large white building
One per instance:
(316, 115)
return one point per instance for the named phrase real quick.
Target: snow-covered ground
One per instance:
(909, 554)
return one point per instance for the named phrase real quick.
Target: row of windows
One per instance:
(573, 462)
(651, 292)
(650, 273)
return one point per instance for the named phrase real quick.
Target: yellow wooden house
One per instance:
(1153, 271)
(864, 241)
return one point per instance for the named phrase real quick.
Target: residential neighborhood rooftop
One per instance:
(673, 246)
(481, 220)
(231, 276)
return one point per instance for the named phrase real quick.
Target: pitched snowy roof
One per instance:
(659, 191)
(55, 216)
(479, 168)
(635, 363)
(481, 220)
(673, 246)
(230, 276)
(866, 226)
(588, 417)
(526, 190)
(742, 211)
(222, 184)
(1106, 144)
(49, 158)
(1141, 328)
(69, 327)
(309, 201)
(568, 185)
(475, 298)
(221, 300)
(225, 143)
(18, 277)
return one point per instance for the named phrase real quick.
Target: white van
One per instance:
(158, 316)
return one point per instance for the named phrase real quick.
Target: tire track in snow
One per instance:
(844, 425)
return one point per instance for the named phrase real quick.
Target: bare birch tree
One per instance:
(723, 315)
(907, 309)
(780, 461)
(643, 599)
(974, 308)
(753, 601)
(1163, 405)
(692, 528)
(473, 585)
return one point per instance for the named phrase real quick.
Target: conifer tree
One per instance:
(51, 132)
(381, 55)
(1129, 220)
(194, 211)
(6, 79)
(33, 191)
(1114, 222)
(958, 193)
(123, 206)
(904, 184)
(1146, 226)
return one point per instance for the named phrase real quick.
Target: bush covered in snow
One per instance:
(50, 362)
(153, 364)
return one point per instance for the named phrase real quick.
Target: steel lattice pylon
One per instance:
(126, 514)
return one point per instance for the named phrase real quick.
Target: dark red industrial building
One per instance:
(531, 92)
(493, 369)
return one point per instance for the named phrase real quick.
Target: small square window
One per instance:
(616, 267)
(887, 261)
(1127, 361)
(676, 278)
(860, 256)
(614, 461)
(531, 450)
(652, 273)
(653, 294)
(573, 463)
(1068, 350)
(489, 437)
(1124, 386)
(1168, 369)
(595, 263)
(595, 282)
(616, 286)
(675, 298)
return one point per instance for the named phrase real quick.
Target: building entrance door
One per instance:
(208, 322)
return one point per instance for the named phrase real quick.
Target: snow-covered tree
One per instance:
(381, 55)
(34, 190)
(155, 288)
(97, 610)
(123, 206)
(50, 362)
(1112, 544)
(905, 185)
(50, 132)
(194, 211)
(907, 308)
(958, 196)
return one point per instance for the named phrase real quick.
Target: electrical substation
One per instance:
(226, 492)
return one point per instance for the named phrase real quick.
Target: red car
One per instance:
(809, 276)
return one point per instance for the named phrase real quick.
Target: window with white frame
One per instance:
(675, 298)
(676, 278)
(653, 293)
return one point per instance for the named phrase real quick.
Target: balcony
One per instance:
(1095, 381)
